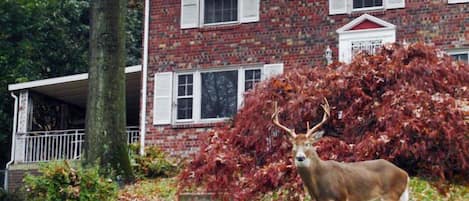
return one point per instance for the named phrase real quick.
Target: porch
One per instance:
(49, 118)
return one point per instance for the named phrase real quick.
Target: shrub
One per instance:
(11, 196)
(401, 104)
(155, 163)
(59, 181)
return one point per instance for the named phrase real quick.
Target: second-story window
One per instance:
(357, 4)
(201, 13)
(219, 11)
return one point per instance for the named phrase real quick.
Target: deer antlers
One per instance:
(327, 113)
(309, 131)
(277, 123)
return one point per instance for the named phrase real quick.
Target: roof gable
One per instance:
(366, 22)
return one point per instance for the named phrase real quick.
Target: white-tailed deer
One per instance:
(335, 181)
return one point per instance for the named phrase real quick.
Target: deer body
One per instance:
(359, 181)
(335, 181)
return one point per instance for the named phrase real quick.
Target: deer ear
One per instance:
(318, 135)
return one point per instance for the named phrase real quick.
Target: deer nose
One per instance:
(300, 158)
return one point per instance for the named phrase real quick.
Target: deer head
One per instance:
(303, 151)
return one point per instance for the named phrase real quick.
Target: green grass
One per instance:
(422, 190)
(165, 190)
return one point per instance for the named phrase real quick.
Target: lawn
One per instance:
(165, 189)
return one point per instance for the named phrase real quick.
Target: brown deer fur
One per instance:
(335, 181)
(359, 181)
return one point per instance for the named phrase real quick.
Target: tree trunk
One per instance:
(106, 138)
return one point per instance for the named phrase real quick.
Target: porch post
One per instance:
(23, 119)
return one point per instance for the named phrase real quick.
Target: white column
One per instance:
(22, 125)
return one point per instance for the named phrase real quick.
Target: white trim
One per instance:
(143, 92)
(457, 1)
(367, 8)
(346, 36)
(60, 80)
(362, 18)
(458, 51)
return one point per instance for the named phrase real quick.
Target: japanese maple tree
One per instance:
(403, 104)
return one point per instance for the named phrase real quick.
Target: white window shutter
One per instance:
(249, 11)
(391, 4)
(457, 1)
(337, 7)
(271, 70)
(189, 14)
(162, 98)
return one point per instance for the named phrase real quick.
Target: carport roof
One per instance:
(73, 89)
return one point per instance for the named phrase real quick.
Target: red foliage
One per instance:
(399, 105)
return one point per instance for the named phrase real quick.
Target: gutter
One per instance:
(13, 140)
(143, 101)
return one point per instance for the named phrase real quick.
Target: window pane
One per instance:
(257, 74)
(181, 90)
(251, 77)
(248, 74)
(464, 57)
(189, 90)
(460, 57)
(219, 94)
(185, 85)
(367, 3)
(184, 108)
(220, 11)
(248, 85)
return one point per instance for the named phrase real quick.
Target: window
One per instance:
(251, 77)
(367, 3)
(349, 6)
(199, 13)
(205, 96)
(369, 46)
(460, 55)
(219, 94)
(185, 96)
(217, 11)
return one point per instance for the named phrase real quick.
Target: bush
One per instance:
(155, 163)
(402, 104)
(11, 196)
(59, 181)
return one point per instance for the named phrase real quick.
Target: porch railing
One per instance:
(44, 146)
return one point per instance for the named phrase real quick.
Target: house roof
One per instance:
(73, 89)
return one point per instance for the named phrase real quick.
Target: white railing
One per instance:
(41, 146)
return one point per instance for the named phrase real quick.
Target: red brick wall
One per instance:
(15, 178)
(295, 33)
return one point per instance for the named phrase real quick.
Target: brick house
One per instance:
(200, 56)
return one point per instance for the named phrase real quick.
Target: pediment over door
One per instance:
(365, 33)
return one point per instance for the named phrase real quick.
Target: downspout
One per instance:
(13, 140)
(143, 102)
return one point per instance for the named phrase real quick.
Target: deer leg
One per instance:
(390, 197)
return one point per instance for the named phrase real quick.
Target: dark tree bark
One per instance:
(106, 138)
